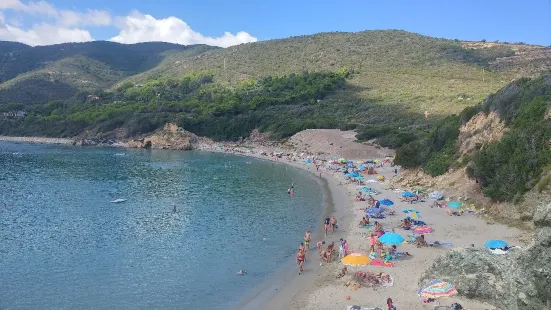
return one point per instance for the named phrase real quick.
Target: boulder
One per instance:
(519, 280)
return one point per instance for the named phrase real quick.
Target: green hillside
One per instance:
(31, 75)
(506, 169)
(386, 80)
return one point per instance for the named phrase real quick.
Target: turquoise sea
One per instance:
(63, 245)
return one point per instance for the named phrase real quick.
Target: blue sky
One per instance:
(207, 21)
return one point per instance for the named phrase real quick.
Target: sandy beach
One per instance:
(44, 140)
(317, 287)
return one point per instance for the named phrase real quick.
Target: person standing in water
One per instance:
(327, 225)
(307, 238)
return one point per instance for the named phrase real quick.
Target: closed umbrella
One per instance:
(391, 238)
(495, 244)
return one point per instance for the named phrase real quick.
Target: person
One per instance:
(395, 170)
(372, 240)
(241, 272)
(293, 186)
(345, 247)
(341, 248)
(301, 246)
(327, 225)
(363, 222)
(333, 224)
(420, 241)
(319, 244)
(390, 304)
(307, 238)
(300, 260)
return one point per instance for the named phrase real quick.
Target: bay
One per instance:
(190, 221)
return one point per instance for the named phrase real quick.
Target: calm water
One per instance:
(63, 245)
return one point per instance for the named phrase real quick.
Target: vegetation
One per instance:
(507, 168)
(281, 105)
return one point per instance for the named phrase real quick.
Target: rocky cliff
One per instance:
(169, 137)
(519, 280)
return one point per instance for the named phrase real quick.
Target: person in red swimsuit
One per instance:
(300, 260)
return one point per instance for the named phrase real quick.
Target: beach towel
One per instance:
(388, 284)
(436, 243)
(366, 226)
(378, 262)
(362, 308)
(498, 251)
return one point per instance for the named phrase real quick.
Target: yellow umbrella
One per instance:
(356, 259)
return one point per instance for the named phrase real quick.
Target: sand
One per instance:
(44, 140)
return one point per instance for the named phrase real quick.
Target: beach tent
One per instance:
(371, 170)
(454, 205)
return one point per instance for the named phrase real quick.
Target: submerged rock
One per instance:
(519, 280)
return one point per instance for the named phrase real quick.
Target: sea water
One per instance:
(190, 222)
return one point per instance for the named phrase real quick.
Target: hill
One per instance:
(43, 73)
(379, 82)
(503, 143)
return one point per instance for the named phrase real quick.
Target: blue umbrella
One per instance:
(386, 202)
(374, 210)
(409, 210)
(408, 194)
(495, 244)
(454, 205)
(391, 238)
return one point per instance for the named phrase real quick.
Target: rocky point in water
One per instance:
(518, 280)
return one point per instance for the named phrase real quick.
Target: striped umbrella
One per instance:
(423, 230)
(437, 289)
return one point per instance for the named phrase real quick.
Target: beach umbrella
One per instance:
(374, 210)
(408, 194)
(356, 259)
(437, 289)
(454, 204)
(391, 238)
(495, 244)
(410, 210)
(423, 230)
(386, 202)
(414, 215)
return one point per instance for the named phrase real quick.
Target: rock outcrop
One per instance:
(518, 280)
(480, 130)
(169, 137)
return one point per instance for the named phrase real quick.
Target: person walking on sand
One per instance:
(333, 224)
(327, 225)
(307, 238)
(341, 249)
(300, 260)
(372, 240)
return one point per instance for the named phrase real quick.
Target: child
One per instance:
(319, 244)
(341, 249)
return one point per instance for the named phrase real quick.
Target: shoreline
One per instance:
(37, 140)
(317, 288)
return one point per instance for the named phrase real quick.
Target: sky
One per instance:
(226, 23)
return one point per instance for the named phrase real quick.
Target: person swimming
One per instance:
(241, 272)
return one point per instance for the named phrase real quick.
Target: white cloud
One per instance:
(64, 18)
(138, 27)
(44, 34)
(52, 26)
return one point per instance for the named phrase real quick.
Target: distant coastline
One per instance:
(44, 140)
